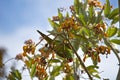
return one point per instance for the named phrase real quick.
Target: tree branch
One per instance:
(83, 65)
(116, 54)
(80, 60)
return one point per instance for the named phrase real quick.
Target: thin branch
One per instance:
(81, 62)
(39, 42)
(116, 54)
(118, 75)
(8, 60)
(48, 63)
(110, 45)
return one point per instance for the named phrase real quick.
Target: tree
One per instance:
(89, 27)
(2, 69)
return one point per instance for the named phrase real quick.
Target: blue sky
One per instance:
(16, 13)
(19, 20)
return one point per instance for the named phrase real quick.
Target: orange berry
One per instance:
(53, 55)
(38, 67)
(98, 58)
(59, 29)
(76, 27)
(33, 50)
(27, 63)
(71, 35)
(24, 54)
(25, 48)
(105, 34)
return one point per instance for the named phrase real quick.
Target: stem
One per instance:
(81, 62)
(48, 63)
(8, 60)
(116, 53)
(118, 75)
(39, 42)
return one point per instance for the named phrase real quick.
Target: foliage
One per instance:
(85, 28)
(2, 69)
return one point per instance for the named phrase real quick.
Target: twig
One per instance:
(115, 52)
(118, 75)
(48, 64)
(8, 60)
(83, 65)
(39, 42)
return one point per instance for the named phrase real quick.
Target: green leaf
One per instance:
(18, 74)
(55, 61)
(53, 24)
(63, 50)
(116, 41)
(76, 43)
(69, 77)
(52, 78)
(49, 40)
(55, 71)
(85, 5)
(33, 70)
(11, 76)
(91, 11)
(118, 33)
(82, 19)
(107, 9)
(82, 15)
(60, 16)
(84, 31)
(99, 17)
(97, 76)
(91, 15)
(68, 53)
(76, 6)
(15, 75)
(46, 78)
(114, 13)
(111, 31)
(29, 63)
(94, 60)
(92, 67)
(115, 20)
(92, 70)
(67, 15)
